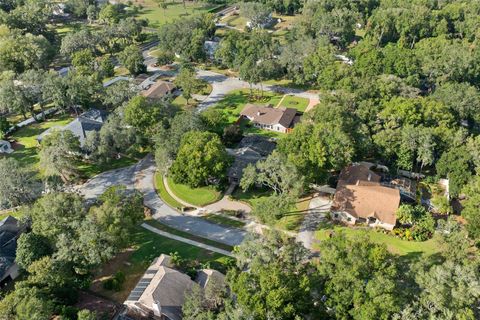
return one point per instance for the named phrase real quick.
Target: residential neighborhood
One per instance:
(252, 160)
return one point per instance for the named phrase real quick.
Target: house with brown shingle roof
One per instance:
(274, 119)
(361, 198)
(159, 90)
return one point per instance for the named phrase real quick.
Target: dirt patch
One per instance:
(104, 308)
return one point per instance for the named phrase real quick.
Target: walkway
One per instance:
(185, 240)
(226, 204)
(174, 196)
(317, 211)
(184, 222)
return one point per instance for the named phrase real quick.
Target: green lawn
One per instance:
(27, 147)
(394, 245)
(195, 196)
(90, 169)
(146, 247)
(14, 213)
(224, 220)
(163, 227)
(294, 102)
(236, 21)
(162, 192)
(235, 101)
(175, 10)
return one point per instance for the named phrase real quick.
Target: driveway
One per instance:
(222, 85)
(94, 187)
(317, 211)
(163, 213)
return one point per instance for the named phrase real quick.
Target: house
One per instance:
(159, 90)
(361, 198)
(10, 230)
(5, 147)
(210, 48)
(269, 118)
(82, 126)
(161, 291)
(250, 150)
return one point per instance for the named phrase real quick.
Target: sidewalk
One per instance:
(170, 192)
(188, 241)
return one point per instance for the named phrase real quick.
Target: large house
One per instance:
(161, 291)
(159, 90)
(274, 119)
(251, 149)
(81, 126)
(361, 198)
(10, 230)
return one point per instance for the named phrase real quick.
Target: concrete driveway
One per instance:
(317, 211)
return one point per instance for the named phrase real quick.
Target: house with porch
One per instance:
(268, 118)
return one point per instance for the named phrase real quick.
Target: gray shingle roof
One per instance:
(9, 232)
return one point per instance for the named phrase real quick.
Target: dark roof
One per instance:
(269, 116)
(81, 126)
(249, 151)
(264, 146)
(95, 115)
(9, 232)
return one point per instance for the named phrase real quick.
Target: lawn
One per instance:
(294, 102)
(14, 213)
(394, 245)
(235, 101)
(145, 248)
(196, 196)
(162, 192)
(26, 149)
(175, 10)
(164, 227)
(236, 21)
(224, 220)
(91, 169)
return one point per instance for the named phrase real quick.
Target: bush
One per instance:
(441, 204)
(114, 283)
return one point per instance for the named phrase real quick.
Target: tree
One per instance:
(19, 185)
(4, 126)
(57, 154)
(470, 207)
(117, 94)
(109, 14)
(26, 303)
(30, 248)
(456, 165)
(277, 284)
(83, 61)
(271, 209)
(165, 57)
(113, 138)
(275, 173)
(119, 213)
(76, 41)
(201, 157)
(86, 315)
(132, 59)
(249, 72)
(256, 13)
(365, 273)
(214, 120)
(188, 82)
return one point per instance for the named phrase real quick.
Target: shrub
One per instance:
(114, 283)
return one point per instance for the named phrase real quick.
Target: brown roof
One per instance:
(269, 115)
(158, 90)
(364, 201)
(357, 174)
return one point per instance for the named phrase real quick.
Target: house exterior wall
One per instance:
(347, 218)
(275, 127)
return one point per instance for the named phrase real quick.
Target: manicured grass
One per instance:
(251, 196)
(164, 227)
(394, 245)
(235, 101)
(196, 196)
(162, 192)
(14, 213)
(175, 10)
(26, 151)
(146, 247)
(236, 21)
(224, 220)
(90, 169)
(298, 103)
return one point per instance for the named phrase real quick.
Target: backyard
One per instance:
(394, 245)
(145, 248)
(26, 148)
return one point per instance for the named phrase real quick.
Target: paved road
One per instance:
(317, 211)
